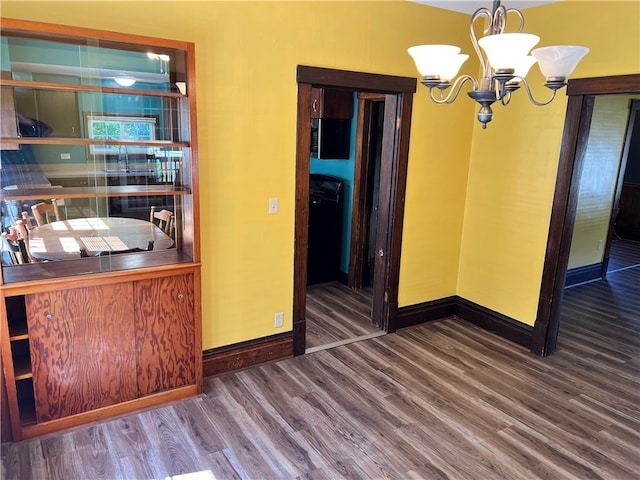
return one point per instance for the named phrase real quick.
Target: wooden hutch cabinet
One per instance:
(100, 307)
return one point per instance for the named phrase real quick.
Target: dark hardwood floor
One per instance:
(434, 401)
(624, 254)
(337, 315)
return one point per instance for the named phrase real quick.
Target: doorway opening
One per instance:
(607, 220)
(339, 312)
(581, 93)
(385, 137)
(602, 284)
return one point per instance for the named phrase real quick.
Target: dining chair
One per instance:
(14, 244)
(164, 220)
(11, 250)
(28, 220)
(23, 231)
(42, 210)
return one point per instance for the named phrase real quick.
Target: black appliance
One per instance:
(325, 228)
(330, 138)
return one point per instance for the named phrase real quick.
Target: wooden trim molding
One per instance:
(5, 417)
(495, 322)
(426, 312)
(301, 224)
(247, 354)
(587, 273)
(565, 201)
(242, 355)
(614, 84)
(483, 317)
(360, 81)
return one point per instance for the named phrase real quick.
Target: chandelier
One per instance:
(505, 63)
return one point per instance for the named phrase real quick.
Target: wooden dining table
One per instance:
(63, 240)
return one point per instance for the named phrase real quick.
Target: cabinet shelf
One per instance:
(87, 192)
(87, 88)
(22, 367)
(19, 334)
(7, 141)
(39, 275)
(21, 359)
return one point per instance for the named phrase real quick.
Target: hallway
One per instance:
(337, 315)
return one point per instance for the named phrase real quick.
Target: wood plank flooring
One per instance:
(624, 254)
(337, 314)
(444, 400)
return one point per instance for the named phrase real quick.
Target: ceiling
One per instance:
(470, 6)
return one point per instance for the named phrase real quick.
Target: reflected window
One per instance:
(130, 128)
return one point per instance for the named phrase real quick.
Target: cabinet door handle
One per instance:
(48, 316)
(180, 296)
(315, 106)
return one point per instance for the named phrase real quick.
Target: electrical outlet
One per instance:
(599, 244)
(278, 319)
(65, 156)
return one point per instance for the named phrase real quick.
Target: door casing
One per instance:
(581, 94)
(398, 93)
(363, 169)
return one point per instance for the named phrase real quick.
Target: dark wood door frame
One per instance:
(581, 93)
(398, 102)
(362, 170)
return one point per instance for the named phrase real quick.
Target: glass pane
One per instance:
(101, 141)
(97, 63)
(99, 115)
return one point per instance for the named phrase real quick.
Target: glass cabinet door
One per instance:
(96, 147)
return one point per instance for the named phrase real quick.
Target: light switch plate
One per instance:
(273, 206)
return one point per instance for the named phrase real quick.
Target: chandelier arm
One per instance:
(455, 90)
(481, 12)
(499, 20)
(519, 14)
(506, 98)
(533, 100)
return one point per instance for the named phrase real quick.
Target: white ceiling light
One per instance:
(125, 81)
(505, 63)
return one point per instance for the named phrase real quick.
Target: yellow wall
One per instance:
(513, 163)
(598, 179)
(247, 54)
(478, 202)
